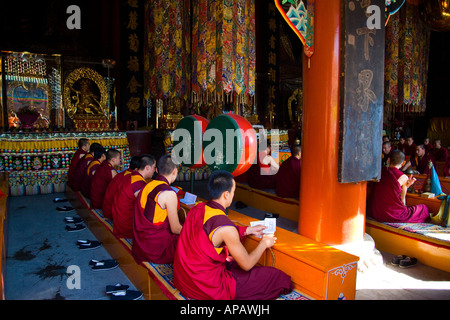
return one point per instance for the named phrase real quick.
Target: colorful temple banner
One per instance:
(200, 49)
(406, 65)
(392, 7)
(301, 20)
(223, 47)
(167, 49)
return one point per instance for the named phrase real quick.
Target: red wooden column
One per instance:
(330, 212)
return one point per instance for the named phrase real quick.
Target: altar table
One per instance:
(37, 162)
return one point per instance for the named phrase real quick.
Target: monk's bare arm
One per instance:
(230, 236)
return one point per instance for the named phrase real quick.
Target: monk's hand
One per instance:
(268, 240)
(256, 230)
(411, 181)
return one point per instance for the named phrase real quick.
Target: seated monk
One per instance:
(83, 149)
(401, 144)
(421, 161)
(386, 151)
(388, 201)
(428, 146)
(156, 226)
(211, 263)
(99, 157)
(262, 174)
(124, 202)
(103, 176)
(439, 152)
(82, 166)
(113, 187)
(410, 147)
(288, 176)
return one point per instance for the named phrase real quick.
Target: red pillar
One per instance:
(330, 212)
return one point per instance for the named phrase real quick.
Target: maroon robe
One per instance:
(422, 165)
(87, 178)
(153, 239)
(124, 202)
(288, 178)
(440, 154)
(386, 202)
(201, 272)
(100, 181)
(402, 146)
(258, 176)
(73, 165)
(80, 171)
(111, 191)
(410, 150)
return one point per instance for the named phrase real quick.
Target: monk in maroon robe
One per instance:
(410, 147)
(156, 226)
(386, 151)
(428, 146)
(262, 174)
(202, 267)
(99, 157)
(388, 201)
(401, 144)
(288, 176)
(83, 149)
(82, 166)
(440, 153)
(103, 176)
(421, 161)
(113, 187)
(124, 202)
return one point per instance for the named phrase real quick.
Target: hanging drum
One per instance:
(187, 145)
(230, 144)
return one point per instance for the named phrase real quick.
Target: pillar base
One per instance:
(369, 256)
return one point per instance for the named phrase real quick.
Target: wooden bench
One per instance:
(156, 281)
(266, 201)
(422, 179)
(318, 271)
(4, 186)
(433, 204)
(416, 240)
(413, 240)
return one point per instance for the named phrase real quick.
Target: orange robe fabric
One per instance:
(103, 176)
(124, 202)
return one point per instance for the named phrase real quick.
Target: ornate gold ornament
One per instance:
(85, 95)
